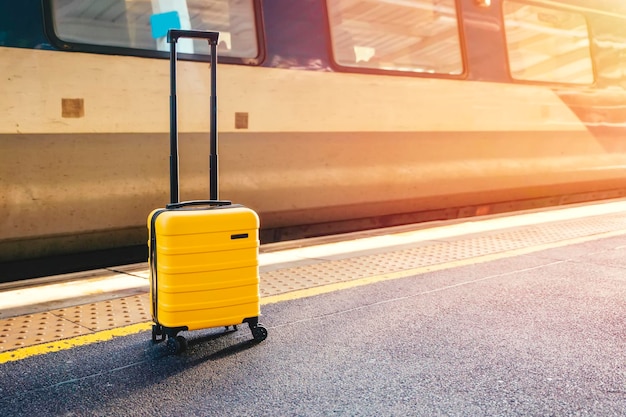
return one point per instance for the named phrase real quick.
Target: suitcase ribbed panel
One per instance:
(206, 267)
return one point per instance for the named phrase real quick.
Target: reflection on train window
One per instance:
(143, 24)
(547, 45)
(409, 35)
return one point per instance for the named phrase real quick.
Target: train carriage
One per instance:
(334, 115)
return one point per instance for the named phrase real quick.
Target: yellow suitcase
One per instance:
(204, 269)
(203, 255)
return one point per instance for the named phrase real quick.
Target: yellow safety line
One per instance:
(26, 352)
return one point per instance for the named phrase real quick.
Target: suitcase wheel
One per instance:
(259, 333)
(176, 345)
(157, 334)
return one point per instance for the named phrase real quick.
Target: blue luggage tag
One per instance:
(162, 22)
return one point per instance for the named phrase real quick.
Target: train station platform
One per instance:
(519, 314)
(55, 308)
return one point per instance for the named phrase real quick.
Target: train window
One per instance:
(547, 45)
(411, 35)
(143, 24)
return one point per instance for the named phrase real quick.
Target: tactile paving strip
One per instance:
(17, 332)
(33, 329)
(433, 253)
(108, 314)
(75, 321)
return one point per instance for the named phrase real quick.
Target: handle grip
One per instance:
(174, 34)
(199, 203)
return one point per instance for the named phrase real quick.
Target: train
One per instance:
(333, 115)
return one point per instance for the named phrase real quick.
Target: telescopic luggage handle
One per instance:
(172, 37)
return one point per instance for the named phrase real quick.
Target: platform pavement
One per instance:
(534, 332)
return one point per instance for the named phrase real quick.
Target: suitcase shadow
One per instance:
(232, 350)
(213, 346)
